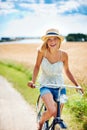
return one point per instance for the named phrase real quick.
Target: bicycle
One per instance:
(56, 123)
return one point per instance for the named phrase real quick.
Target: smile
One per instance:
(53, 45)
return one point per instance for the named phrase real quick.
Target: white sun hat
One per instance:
(52, 32)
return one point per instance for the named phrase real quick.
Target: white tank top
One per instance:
(51, 73)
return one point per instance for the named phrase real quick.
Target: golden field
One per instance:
(26, 54)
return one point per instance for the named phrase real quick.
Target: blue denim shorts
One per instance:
(53, 91)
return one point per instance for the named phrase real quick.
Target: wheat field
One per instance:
(26, 54)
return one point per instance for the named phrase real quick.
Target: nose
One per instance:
(51, 40)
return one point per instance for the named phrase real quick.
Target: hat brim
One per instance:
(47, 36)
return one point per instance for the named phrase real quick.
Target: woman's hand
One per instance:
(80, 89)
(31, 84)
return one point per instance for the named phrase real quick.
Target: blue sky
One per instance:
(34, 17)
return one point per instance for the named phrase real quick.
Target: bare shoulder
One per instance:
(40, 54)
(39, 58)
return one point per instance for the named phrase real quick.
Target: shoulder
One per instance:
(41, 53)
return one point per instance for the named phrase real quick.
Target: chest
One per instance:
(53, 57)
(51, 68)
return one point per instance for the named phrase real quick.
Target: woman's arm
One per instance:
(68, 72)
(36, 69)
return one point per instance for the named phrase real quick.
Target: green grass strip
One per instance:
(19, 76)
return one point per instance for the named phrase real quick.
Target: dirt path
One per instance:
(15, 113)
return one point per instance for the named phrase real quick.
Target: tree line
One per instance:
(76, 37)
(79, 37)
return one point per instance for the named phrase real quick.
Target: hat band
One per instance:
(51, 33)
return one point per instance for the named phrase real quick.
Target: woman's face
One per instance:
(53, 42)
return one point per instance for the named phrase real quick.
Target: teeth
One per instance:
(52, 45)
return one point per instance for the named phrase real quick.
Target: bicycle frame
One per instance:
(57, 119)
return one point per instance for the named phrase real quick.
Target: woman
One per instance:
(52, 61)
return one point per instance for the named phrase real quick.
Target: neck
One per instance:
(53, 51)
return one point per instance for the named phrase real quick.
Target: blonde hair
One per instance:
(44, 46)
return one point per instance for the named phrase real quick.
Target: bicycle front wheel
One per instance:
(39, 108)
(57, 127)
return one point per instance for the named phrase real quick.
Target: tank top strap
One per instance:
(45, 53)
(60, 58)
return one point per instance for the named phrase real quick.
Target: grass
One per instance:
(77, 107)
(19, 75)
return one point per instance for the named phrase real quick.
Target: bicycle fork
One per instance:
(57, 119)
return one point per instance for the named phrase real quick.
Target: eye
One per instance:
(52, 39)
(49, 40)
(55, 38)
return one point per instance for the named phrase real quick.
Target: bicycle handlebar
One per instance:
(63, 85)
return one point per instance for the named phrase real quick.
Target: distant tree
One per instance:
(76, 37)
(70, 38)
(4, 39)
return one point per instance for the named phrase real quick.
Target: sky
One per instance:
(34, 17)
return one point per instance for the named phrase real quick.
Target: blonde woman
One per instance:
(52, 61)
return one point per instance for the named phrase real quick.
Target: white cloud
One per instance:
(41, 9)
(73, 24)
(46, 10)
(6, 11)
(6, 5)
(67, 6)
(82, 2)
(70, 5)
(34, 25)
(28, 26)
(44, 16)
(7, 8)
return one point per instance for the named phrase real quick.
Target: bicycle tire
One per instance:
(39, 108)
(57, 127)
